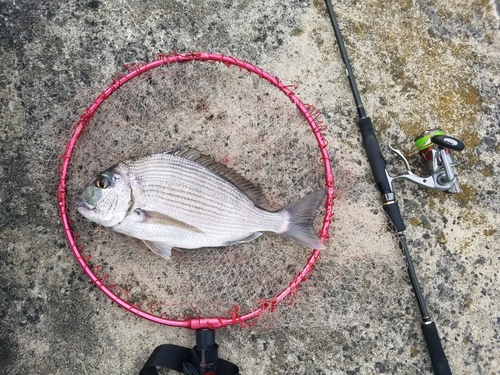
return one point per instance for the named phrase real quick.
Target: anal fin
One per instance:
(252, 237)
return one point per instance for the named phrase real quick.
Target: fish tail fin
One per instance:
(302, 214)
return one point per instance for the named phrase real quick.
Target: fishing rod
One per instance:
(435, 149)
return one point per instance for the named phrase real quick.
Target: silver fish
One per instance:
(184, 199)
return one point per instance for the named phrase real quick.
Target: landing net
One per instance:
(243, 117)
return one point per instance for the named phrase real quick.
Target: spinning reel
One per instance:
(434, 149)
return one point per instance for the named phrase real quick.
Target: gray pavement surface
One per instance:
(419, 65)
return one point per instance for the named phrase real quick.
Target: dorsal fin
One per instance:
(249, 189)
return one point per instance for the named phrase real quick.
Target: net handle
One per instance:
(310, 114)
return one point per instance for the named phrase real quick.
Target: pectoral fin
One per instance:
(153, 217)
(159, 248)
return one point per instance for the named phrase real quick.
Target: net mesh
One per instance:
(348, 286)
(246, 123)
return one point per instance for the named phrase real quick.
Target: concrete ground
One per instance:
(419, 65)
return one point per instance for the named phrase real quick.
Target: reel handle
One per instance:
(448, 142)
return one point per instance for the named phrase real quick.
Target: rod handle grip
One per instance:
(372, 149)
(377, 164)
(392, 210)
(436, 352)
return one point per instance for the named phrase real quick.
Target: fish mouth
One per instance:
(82, 204)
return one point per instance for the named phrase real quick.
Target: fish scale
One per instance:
(201, 190)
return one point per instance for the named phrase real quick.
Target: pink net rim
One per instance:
(310, 114)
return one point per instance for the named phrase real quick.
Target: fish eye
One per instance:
(102, 183)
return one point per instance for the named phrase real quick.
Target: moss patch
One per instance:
(489, 232)
(414, 221)
(467, 195)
